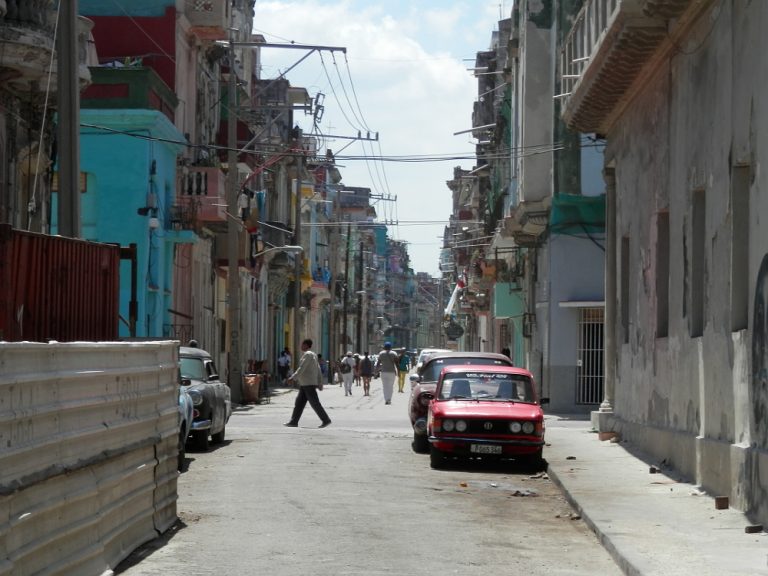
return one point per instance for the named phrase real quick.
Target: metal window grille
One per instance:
(589, 369)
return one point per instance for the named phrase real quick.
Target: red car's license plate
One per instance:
(485, 449)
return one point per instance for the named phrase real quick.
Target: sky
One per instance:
(404, 76)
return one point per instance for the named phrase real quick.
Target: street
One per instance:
(354, 499)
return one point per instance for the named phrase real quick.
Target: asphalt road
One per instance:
(354, 499)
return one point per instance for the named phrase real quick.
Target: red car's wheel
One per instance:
(420, 443)
(436, 458)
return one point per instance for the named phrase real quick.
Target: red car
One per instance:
(424, 382)
(486, 412)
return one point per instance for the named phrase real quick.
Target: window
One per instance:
(740, 179)
(625, 287)
(698, 256)
(662, 275)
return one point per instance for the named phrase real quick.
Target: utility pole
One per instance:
(332, 348)
(69, 122)
(235, 376)
(360, 300)
(346, 286)
(298, 264)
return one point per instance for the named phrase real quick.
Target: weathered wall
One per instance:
(89, 436)
(697, 401)
(536, 87)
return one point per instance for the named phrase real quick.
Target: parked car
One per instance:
(424, 381)
(211, 397)
(486, 412)
(426, 353)
(186, 414)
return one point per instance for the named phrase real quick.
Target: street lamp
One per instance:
(286, 249)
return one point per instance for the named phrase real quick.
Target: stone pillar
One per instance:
(601, 418)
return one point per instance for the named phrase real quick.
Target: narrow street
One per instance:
(354, 499)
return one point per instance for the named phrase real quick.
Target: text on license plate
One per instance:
(485, 449)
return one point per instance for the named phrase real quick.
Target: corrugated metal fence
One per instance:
(88, 445)
(57, 288)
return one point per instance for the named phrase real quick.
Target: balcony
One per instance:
(204, 188)
(182, 217)
(611, 44)
(209, 19)
(26, 46)
(135, 87)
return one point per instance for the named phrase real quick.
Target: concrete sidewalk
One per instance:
(651, 523)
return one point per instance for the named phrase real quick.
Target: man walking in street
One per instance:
(403, 365)
(310, 380)
(284, 365)
(366, 372)
(347, 372)
(387, 364)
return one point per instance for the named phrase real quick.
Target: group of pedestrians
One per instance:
(354, 369)
(310, 376)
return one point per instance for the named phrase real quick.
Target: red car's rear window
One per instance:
(431, 371)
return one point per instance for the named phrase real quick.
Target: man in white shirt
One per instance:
(310, 379)
(387, 364)
(348, 372)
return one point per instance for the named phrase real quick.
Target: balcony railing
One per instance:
(182, 217)
(204, 187)
(28, 13)
(609, 45)
(26, 45)
(209, 18)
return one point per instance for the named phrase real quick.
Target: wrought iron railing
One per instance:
(31, 13)
(584, 39)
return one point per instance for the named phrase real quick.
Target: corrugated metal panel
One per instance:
(57, 288)
(88, 467)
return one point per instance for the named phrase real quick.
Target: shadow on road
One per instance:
(146, 550)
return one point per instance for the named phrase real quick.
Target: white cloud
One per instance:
(411, 84)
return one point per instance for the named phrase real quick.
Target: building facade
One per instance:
(685, 260)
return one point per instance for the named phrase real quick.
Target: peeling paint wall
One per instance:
(697, 400)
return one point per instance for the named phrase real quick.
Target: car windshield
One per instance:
(431, 371)
(192, 368)
(487, 386)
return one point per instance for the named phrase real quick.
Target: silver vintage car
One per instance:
(211, 397)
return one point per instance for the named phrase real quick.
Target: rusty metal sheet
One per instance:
(55, 288)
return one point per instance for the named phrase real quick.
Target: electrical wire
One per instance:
(501, 154)
(32, 202)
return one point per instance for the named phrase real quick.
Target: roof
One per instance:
(193, 352)
(491, 355)
(492, 369)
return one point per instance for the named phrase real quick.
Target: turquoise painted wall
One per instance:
(119, 170)
(150, 8)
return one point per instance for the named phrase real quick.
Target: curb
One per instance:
(621, 561)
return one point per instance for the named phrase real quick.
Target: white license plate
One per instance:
(485, 449)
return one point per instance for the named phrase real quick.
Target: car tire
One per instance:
(182, 450)
(533, 462)
(201, 440)
(420, 443)
(436, 458)
(218, 438)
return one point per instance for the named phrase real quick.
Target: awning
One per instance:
(582, 304)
